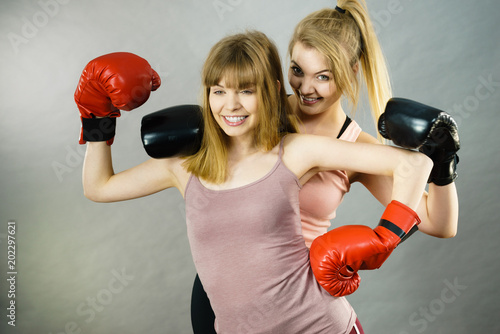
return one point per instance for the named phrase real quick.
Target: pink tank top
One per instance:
(323, 193)
(248, 249)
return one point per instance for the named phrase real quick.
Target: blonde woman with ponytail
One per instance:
(333, 53)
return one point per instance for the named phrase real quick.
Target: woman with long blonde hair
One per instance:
(333, 53)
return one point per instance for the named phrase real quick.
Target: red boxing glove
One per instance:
(108, 84)
(337, 255)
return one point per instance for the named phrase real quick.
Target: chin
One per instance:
(311, 110)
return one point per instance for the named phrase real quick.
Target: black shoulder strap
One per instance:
(344, 127)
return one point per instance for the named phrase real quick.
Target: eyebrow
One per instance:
(325, 70)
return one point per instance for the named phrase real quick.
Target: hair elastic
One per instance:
(340, 10)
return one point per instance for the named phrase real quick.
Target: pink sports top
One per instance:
(322, 194)
(248, 249)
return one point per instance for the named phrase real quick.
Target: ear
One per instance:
(279, 85)
(355, 67)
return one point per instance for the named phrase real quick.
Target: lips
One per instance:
(309, 100)
(234, 120)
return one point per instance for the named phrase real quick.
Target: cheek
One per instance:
(327, 89)
(293, 81)
(251, 104)
(215, 114)
(214, 105)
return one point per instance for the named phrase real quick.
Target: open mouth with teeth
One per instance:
(309, 100)
(234, 120)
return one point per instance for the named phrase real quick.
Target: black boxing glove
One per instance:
(172, 132)
(414, 125)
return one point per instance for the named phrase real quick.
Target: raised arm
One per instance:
(415, 125)
(410, 170)
(101, 184)
(108, 84)
(337, 255)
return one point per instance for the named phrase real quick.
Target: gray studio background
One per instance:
(91, 268)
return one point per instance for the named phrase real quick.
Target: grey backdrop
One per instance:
(94, 268)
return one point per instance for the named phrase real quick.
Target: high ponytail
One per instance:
(371, 58)
(345, 36)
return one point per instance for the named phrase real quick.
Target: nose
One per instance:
(306, 86)
(232, 102)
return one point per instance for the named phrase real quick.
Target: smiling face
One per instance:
(235, 109)
(312, 81)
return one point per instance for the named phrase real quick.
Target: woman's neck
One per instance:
(240, 148)
(327, 123)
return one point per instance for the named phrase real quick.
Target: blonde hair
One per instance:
(344, 39)
(242, 60)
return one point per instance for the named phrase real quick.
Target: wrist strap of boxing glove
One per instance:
(444, 172)
(400, 220)
(98, 129)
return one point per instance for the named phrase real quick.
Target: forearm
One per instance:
(410, 178)
(433, 132)
(439, 211)
(97, 169)
(106, 86)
